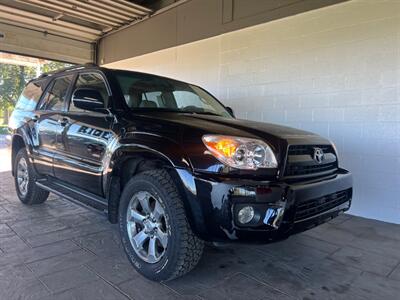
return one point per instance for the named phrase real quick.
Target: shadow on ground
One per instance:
(58, 250)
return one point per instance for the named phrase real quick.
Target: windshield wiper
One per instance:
(203, 113)
(158, 109)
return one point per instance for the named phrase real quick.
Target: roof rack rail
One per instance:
(68, 69)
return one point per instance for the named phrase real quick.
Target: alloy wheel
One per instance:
(147, 226)
(22, 176)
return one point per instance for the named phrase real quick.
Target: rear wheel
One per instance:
(25, 181)
(155, 232)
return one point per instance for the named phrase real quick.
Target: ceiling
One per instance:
(84, 20)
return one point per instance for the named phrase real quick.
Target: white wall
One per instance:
(334, 71)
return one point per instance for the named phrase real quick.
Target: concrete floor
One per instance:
(58, 250)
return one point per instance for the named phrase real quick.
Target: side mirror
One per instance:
(88, 99)
(230, 111)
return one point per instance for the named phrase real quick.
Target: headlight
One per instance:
(241, 153)
(335, 149)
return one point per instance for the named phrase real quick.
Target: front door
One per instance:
(84, 139)
(48, 124)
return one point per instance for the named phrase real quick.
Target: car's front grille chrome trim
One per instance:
(301, 162)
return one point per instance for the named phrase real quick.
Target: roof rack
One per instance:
(68, 69)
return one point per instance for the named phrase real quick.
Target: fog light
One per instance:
(246, 214)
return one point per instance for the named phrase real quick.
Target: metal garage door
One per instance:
(33, 43)
(64, 30)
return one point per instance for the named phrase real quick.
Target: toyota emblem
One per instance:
(318, 155)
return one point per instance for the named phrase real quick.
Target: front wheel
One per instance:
(154, 230)
(25, 181)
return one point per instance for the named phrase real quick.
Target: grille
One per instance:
(294, 170)
(319, 205)
(309, 149)
(300, 162)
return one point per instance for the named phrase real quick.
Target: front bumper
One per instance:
(281, 208)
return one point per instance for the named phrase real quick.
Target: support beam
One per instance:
(23, 16)
(108, 10)
(132, 5)
(190, 21)
(133, 9)
(97, 5)
(64, 10)
(80, 12)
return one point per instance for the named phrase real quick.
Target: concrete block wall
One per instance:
(334, 71)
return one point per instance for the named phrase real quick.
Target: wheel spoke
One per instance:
(152, 248)
(162, 237)
(132, 228)
(158, 211)
(144, 202)
(140, 238)
(137, 217)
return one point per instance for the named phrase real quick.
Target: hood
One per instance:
(196, 124)
(187, 129)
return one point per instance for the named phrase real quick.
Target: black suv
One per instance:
(170, 164)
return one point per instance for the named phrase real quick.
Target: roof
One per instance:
(72, 68)
(91, 66)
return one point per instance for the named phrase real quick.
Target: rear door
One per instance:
(84, 138)
(48, 123)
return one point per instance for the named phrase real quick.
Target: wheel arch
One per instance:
(17, 143)
(127, 163)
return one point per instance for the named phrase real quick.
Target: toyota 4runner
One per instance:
(170, 164)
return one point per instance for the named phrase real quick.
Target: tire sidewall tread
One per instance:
(34, 195)
(184, 248)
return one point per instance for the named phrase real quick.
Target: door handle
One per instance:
(91, 147)
(63, 121)
(95, 149)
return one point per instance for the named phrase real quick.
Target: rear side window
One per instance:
(30, 96)
(57, 94)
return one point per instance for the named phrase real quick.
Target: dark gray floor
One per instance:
(61, 251)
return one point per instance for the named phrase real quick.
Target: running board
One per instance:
(74, 194)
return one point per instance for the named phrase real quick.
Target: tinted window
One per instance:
(91, 81)
(30, 96)
(150, 92)
(57, 94)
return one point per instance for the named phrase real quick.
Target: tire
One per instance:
(29, 193)
(183, 249)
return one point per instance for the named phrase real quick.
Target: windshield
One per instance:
(148, 92)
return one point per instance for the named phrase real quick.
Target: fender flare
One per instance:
(177, 166)
(20, 134)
